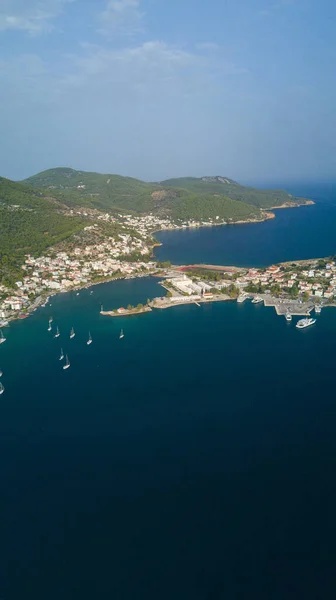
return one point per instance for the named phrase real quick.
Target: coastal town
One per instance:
(110, 246)
(127, 251)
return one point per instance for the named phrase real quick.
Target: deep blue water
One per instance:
(194, 459)
(299, 233)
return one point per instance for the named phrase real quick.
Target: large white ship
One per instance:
(303, 323)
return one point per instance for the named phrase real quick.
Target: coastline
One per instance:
(293, 205)
(266, 215)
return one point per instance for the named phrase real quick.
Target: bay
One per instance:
(295, 233)
(193, 459)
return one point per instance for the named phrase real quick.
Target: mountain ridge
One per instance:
(110, 191)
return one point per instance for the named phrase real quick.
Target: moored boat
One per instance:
(57, 334)
(121, 334)
(288, 316)
(89, 340)
(72, 333)
(257, 300)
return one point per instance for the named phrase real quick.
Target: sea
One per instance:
(193, 459)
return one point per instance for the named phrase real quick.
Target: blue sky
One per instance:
(157, 88)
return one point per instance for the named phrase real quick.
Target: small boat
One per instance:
(1, 373)
(89, 340)
(91, 292)
(303, 323)
(77, 294)
(2, 337)
(50, 320)
(2, 389)
(57, 334)
(257, 300)
(67, 363)
(317, 308)
(72, 333)
(288, 316)
(4, 323)
(61, 355)
(241, 298)
(121, 334)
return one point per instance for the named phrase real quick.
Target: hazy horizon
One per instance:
(152, 90)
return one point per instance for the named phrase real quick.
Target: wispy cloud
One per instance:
(273, 7)
(121, 17)
(33, 16)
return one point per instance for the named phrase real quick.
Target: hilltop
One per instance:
(202, 198)
(264, 199)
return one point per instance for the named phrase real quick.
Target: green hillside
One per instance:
(116, 193)
(82, 188)
(235, 191)
(30, 222)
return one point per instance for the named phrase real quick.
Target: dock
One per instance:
(124, 312)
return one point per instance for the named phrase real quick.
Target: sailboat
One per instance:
(2, 389)
(61, 355)
(72, 333)
(67, 363)
(50, 320)
(57, 334)
(1, 373)
(89, 340)
(2, 337)
(121, 334)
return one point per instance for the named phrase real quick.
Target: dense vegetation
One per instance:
(113, 192)
(29, 223)
(233, 190)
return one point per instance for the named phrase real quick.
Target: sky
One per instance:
(168, 88)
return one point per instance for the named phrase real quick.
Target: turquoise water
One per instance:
(193, 459)
(300, 233)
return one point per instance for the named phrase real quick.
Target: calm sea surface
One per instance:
(304, 232)
(194, 459)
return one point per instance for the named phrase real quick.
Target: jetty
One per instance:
(125, 312)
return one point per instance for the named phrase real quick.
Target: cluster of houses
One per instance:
(319, 282)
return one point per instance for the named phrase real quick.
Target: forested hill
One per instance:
(30, 222)
(235, 191)
(110, 192)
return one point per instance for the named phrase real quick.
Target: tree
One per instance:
(129, 307)
(305, 297)
(140, 306)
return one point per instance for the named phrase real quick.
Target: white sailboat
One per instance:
(72, 333)
(61, 355)
(2, 389)
(2, 337)
(50, 320)
(67, 363)
(1, 373)
(121, 334)
(57, 334)
(89, 340)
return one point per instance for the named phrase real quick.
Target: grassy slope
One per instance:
(29, 223)
(250, 195)
(113, 192)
